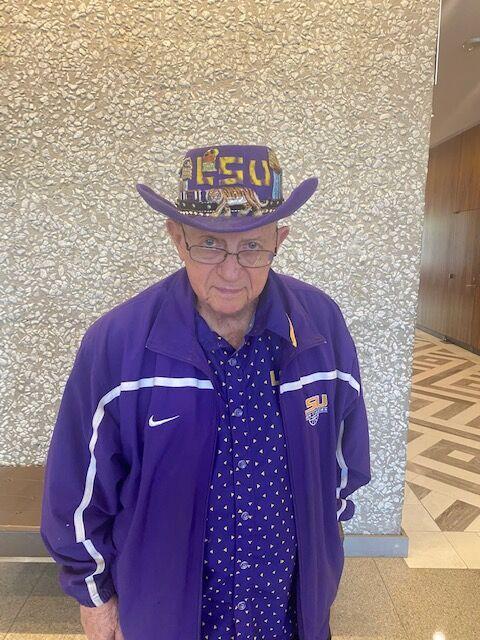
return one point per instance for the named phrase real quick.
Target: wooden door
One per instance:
(463, 276)
(440, 191)
(476, 288)
(468, 184)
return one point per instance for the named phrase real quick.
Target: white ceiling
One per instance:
(456, 97)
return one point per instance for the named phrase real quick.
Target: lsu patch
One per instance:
(315, 408)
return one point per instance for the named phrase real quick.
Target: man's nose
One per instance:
(230, 268)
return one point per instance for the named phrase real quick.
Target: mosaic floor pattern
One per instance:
(442, 495)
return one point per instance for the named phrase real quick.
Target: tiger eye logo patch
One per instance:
(315, 407)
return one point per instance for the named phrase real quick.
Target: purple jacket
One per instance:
(124, 504)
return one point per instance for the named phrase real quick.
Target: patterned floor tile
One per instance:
(443, 456)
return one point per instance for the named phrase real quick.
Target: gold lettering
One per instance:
(266, 168)
(273, 379)
(253, 173)
(312, 402)
(226, 160)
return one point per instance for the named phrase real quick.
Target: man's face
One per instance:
(227, 288)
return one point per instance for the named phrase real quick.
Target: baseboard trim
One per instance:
(27, 546)
(22, 545)
(376, 546)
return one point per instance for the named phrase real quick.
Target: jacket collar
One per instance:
(173, 331)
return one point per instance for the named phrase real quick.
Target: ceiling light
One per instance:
(472, 43)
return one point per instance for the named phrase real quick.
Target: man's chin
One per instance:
(229, 306)
(229, 309)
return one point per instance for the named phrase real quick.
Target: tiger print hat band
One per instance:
(230, 188)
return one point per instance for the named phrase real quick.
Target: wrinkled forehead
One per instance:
(265, 231)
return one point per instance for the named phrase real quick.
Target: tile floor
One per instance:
(378, 599)
(434, 594)
(441, 512)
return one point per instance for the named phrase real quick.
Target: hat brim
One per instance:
(295, 200)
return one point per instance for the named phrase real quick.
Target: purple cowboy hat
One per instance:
(230, 188)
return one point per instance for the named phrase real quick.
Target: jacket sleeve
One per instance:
(353, 448)
(83, 472)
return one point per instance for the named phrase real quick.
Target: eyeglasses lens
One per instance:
(247, 258)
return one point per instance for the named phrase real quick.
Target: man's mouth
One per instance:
(228, 291)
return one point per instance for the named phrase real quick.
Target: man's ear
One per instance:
(170, 227)
(282, 234)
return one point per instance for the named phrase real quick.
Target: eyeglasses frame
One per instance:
(232, 253)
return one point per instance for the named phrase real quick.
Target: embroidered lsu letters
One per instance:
(315, 408)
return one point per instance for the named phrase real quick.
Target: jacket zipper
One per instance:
(300, 563)
(301, 632)
(212, 460)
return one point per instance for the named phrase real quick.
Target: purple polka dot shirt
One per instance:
(250, 552)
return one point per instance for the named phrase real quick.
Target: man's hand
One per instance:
(101, 623)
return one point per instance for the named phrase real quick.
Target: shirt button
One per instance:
(242, 464)
(238, 412)
(245, 515)
(232, 361)
(244, 565)
(241, 605)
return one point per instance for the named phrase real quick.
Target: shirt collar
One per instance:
(270, 313)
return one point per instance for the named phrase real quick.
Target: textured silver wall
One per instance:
(100, 95)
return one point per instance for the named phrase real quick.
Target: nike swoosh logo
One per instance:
(155, 423)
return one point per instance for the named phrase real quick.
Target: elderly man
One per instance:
(211, 432)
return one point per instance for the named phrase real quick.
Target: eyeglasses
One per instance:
(251, 258)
